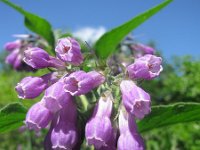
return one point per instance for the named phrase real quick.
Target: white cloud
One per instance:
(89, 34)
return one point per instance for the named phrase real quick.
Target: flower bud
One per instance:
(38, 117)
(10, 46)
(80, 82)
(97, 77)
(146, 67)
(36, 58)
(68, 50)
(31, 87)
(55, 97)
(129, 137)
(145, 49)
(135, 100)
(14, 59)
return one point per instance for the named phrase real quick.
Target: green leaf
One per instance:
(12, 117)
(169, 115)
(107, 44)
(35, 23)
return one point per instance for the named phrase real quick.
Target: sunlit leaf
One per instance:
(169, 115)
(12, 117)
(107, 44)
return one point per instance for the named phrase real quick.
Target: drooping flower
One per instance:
(68, 50)
(135, 100)
(64, 133)
(129, 137)
(38, 117)
(146, 67)
(80, 82)
(98, 130)
(31, 87)
(55, 97)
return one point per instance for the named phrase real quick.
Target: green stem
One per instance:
(84, 102)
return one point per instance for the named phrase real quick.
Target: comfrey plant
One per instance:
(112, 124)
(16, 50)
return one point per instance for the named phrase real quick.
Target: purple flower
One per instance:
(64, 133)
(128, 141)
(68, 50)
(135, 100)
(14, 59)
(98, 130)
(56, 63)
(80, 82)
(55, 97)
(104, 106)
(31, 87)
(10, 46)
(129, 137)
(146, 67)
(38, 117)
(97, 78)
(39, 58)
(111, 144)
(36, 58)
(145, 49)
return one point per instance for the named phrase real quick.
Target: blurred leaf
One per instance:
(11, 117)
(165, 115)
(35, 23)
(107, 44)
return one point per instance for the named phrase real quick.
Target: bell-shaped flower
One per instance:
(36, 57)
(64, 133)
(55, 97)
(69, 50)
(39, 58)
(31, 87)
(38, 117)
(98, 130)
(129, 137)
(146, 67)
(135, 100)
(80, 82)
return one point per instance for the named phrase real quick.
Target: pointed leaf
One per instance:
(107, 44)
(169, 115)
(35, 23)
(12, 117)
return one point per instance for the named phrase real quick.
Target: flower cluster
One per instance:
(16, 50)
(68, 81)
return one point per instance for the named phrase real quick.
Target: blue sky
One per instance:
(176, 29)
